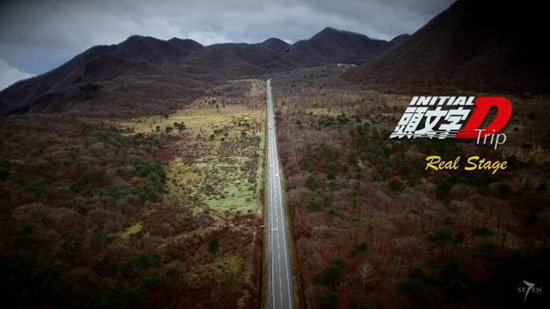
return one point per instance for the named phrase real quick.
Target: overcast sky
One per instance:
(38, 35)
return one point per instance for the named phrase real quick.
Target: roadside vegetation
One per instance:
(216, 161)
(372, 228)
(159, 210)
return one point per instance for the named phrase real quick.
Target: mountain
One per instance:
(187, 44)
(155, 50)
(473, 45)
(274, 44)
(145, 68)
(238, 60)
(79, 79)
(24, 93)
(398, 39)
(333, 46)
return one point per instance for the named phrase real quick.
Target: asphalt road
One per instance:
(280, 275)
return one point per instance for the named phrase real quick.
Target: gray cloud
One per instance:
(10, 75)
(38, 35)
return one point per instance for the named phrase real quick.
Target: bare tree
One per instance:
(366, 273)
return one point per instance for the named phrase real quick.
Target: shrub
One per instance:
(314, 202)
(355, 198)
(181, 126)
(441, 237)
(312, 183)
(459, 238)
(24, 237)
(485, 250)
(214, 246)
(330, 300)
(504, 189)
(88, 178)
(172, 272)
(396, 185)
(71, 244)
(152, 280)
(5, 170)
(353, 158)
(144, 192)
(443, 187)
(358, 249)
(333, 212)
(152, 170)
(414, 289)
(72, 204)
(449, 221)
(306, 164)
(42, 187)
(483, 231)
(332, 274)
(110, 191)
(136, 265)
(455, 280)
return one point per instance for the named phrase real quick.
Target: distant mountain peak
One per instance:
(398, 39)
(275, 40)
(155, 50)
(137, 38)
(274, 44)
(186, 43)
(331, 46)
(334, 31)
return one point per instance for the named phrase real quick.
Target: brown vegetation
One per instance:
(372, 228)
(89, 218)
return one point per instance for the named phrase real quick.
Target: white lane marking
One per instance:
(272, 258)
(270, 184)
(271, 249)
(281, 209)
(277, 203)
(287, 268)
(278, 250)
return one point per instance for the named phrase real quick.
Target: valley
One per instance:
(164, 173)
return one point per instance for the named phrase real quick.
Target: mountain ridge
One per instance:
(471, 46)
(336, 46)
(140, 59)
